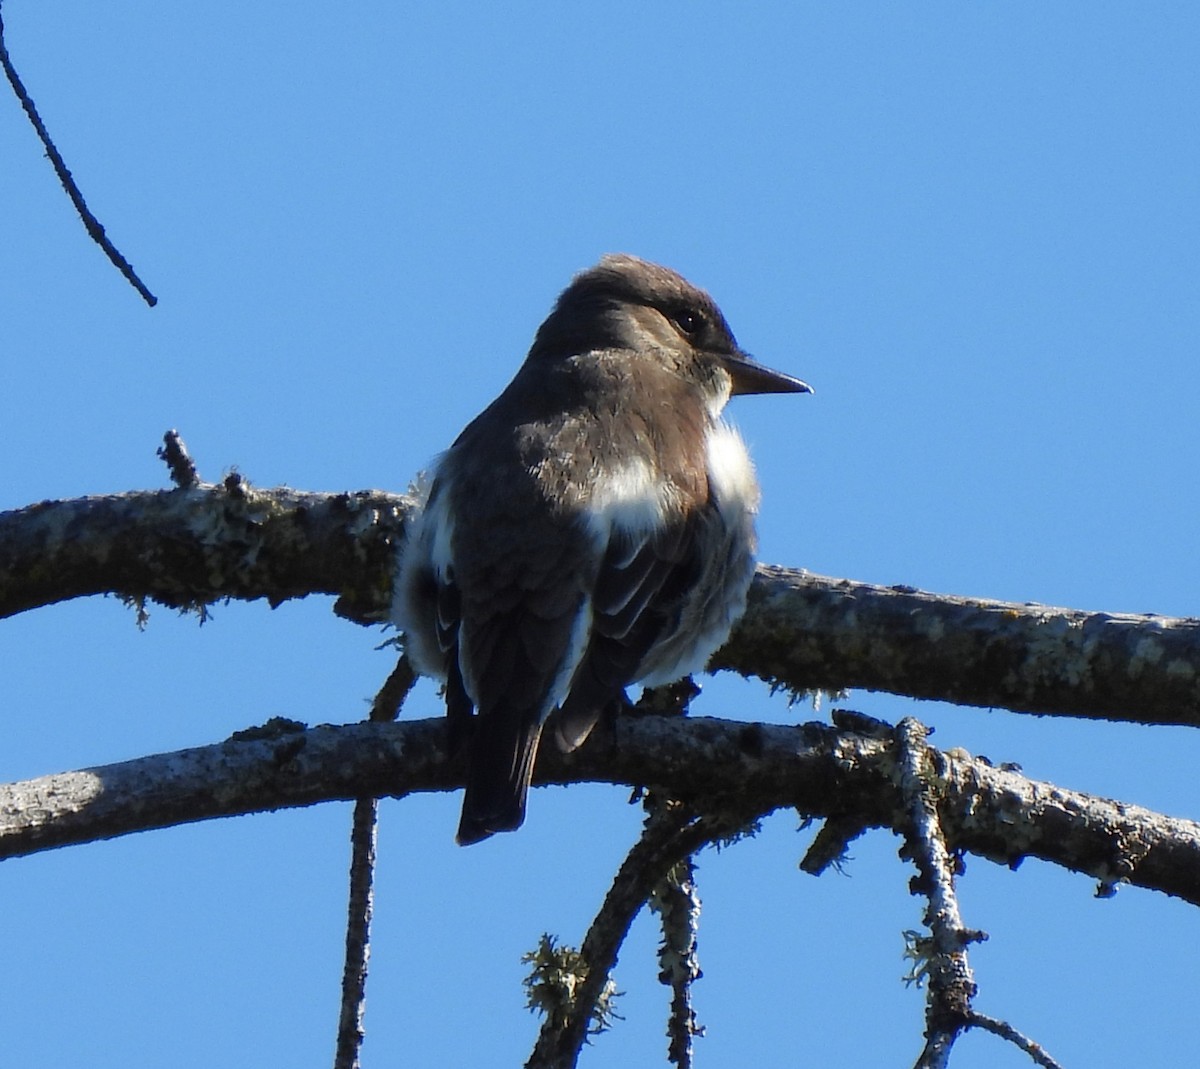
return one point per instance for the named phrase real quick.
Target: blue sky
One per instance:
(974, 228)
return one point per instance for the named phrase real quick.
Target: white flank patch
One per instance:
(426, 548)
(731, 471)
(720, 594)
(436, 533)
(629, 500)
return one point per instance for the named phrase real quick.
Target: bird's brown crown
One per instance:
(628, 303)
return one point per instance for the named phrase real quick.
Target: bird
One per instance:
(591, 529)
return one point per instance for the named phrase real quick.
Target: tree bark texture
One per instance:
(199, 544)
(722, 768)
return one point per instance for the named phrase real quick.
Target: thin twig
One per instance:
(1006, 1031)
(363, 836)
(90, 222)
(672, 833)
(386, 706)
(358, 934)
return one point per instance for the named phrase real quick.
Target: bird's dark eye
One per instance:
(689, 322)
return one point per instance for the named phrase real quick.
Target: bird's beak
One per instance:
(749, 376)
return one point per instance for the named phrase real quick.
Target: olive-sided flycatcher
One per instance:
(593, 527)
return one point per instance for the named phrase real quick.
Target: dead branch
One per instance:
(90, 222)
(201, 543)
(708, 763)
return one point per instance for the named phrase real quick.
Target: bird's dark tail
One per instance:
(503, 749)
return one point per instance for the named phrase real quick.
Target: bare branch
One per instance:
(805, 631)
(672, 832)
(189, 547)
(754, 768)
(192, 546)
(363, 834)
(1006, 1031)
(90, 222)
(358, 934)
(395, 689)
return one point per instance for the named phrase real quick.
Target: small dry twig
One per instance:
(1006, 1031)
(360, 907)
(358, 934)
(90, 222)
(672, 833)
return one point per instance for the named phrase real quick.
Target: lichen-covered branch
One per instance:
(202, 543)
(205, 542)
(677, 902)
(805, 631)
(713, 765)
(673, 832)
(942, 957)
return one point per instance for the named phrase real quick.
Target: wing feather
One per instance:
(641, 590)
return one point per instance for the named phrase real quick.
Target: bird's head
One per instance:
(631, 304)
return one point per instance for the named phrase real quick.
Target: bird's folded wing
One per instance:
(637, 603)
